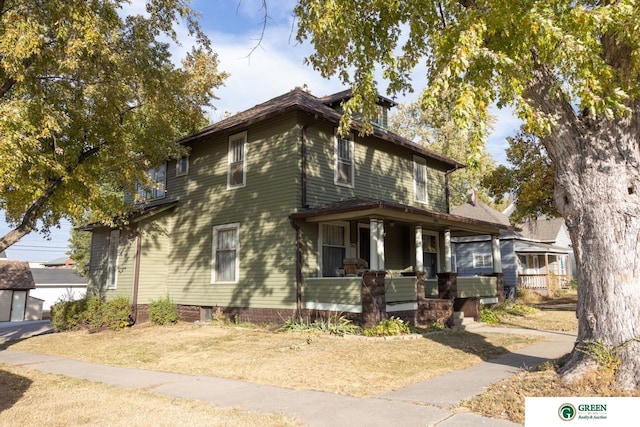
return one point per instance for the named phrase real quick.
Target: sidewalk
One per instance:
(430, 403)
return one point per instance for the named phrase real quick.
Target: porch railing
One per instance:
(543, 281)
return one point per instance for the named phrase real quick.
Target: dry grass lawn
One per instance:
(355, 367)
(350, 366)
(31, 398)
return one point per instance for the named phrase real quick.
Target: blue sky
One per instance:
(257, 73)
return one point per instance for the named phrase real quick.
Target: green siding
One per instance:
(267, 240)
(400, 289)
(335, 290)
(476, 287)
(382, 171)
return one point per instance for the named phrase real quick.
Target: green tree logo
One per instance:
(567, 412)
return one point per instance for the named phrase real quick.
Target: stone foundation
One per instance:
(469, 306)
(374, 305)
(433, 310)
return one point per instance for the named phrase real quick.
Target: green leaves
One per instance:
(483, 53)
(89, 98)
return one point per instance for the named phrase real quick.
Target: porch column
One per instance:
(419, 250)
(373, 244)
(495, 252)
(380, 247)
(447, 251)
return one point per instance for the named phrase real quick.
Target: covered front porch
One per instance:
(407, 248)
(542, 268)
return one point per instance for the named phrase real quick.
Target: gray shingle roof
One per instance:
(545, 230)
(57, 276)
(482, 212)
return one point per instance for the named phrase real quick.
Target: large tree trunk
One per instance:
(597, 184)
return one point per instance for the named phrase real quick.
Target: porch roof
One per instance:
(538, 248)
(364, 208)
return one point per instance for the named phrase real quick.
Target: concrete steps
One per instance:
(461, 323)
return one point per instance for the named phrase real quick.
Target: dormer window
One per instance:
(380, 120)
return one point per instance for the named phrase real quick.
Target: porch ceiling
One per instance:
(539, 248)
(364, 208)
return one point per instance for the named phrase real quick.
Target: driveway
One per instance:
(11, 331)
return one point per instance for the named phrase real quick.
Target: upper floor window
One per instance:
(343, 162)
(156, 188)
(182, 166)
(237, 173)
(420, 179)
(380, 119)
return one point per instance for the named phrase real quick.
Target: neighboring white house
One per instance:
(55, 284)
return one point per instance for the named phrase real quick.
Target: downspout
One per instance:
(447, 191)
(298, 230)
(136, 275)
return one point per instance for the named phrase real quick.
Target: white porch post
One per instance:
(495, 252)
(447, 251)
(419, 250)
(373, 244)
(380, 244)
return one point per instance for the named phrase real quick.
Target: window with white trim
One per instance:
(112, 260)
(182, 166)
(420, 179)
(334, 249)
(344, 163)
(237, 157)
(482, 261)
(226, 253)
(156, 188)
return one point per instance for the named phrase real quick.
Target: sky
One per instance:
(260, 68)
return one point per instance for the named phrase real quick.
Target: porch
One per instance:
(412, 298)
(542, 271)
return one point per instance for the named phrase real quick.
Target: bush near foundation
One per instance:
(91, 313)
(163, 312)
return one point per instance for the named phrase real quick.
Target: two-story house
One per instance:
(273, 213)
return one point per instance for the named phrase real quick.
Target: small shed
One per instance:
(16, 281)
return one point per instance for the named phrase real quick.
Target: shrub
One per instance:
(488, 316)
(91, 312)
(68, 315)
(117, 313)
(334, 325)
(388, 327)
(163, 312)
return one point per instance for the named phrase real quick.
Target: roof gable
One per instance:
(545, 230)
(16, 275)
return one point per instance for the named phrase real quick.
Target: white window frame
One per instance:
(158, 190)
(480, 260)
(179, 162)
(112, 259)
(321, 239)
(337, 161)
(216, 229)
(238, 137)
(420, 163)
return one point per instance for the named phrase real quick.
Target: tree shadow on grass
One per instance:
(13, 388)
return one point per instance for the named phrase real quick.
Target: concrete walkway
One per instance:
(430, 403)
